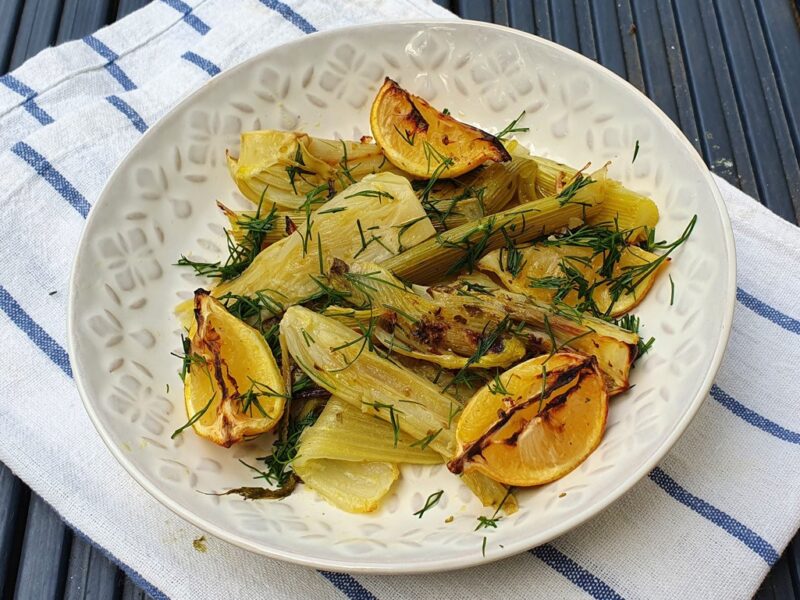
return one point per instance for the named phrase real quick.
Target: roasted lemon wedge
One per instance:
(233, 387)
(542, 421)
(424, 142)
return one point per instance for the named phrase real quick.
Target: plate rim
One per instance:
(351, 565)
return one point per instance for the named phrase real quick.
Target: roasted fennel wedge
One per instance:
(405, 322)
(459, 249)
(344, 363)
(607, 281)
(553, 328)
(367, 221)
(622, 206)
(349, 457)
(285, 166)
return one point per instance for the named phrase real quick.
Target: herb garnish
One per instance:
(432, 501)
(512, 127)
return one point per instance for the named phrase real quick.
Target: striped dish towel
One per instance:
(706, 523)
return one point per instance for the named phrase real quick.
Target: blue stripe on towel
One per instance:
(60, 184)
(719, 518)
(15, 85)
(127, 110)
(37, 112)
(348, 585)
(192, 20)
(752, 417)
(562, 563)
(34, 331)
(30, 105)
(766, 311)
(111, 66)
(201, 62)
(288, 13)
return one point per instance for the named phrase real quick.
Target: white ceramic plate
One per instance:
(160, 203)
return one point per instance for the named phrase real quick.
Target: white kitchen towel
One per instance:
(707, 523)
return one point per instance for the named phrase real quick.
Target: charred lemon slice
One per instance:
(233, 387)
(546, 417)
(422, 141)
(573, 272)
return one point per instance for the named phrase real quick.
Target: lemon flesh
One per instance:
(233, 388)
(422, 141)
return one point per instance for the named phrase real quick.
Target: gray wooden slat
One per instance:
(629, 36)
(37, 29)
(721, 71)
(542, 19)
(564, 23)
(764, 138)
(80, 18)
(14, 498)
(131, 592)
(781, 26)
(793, 558)
(10, 12)
(586, 36)
(500, 12)
(607, 37)
(715, 141)
(677, 72)
(128, 6)
(477, 10)
(43, 564)
(90, 574)
(521, 15)
(653, 52)
(778, 583)
(786, 147)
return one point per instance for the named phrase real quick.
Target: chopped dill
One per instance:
(394, 419)
(240, 254)
(635, 152)
(407, 136)
(579, 182)
(486, 342)
(372, 194)
(671, 291)
(284, 452)
(497, 387)
(432, 501)
(512, 127)
(426, 441)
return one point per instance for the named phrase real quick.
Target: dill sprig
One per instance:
(497, 387)
(366, 343)
(408, 137)
(472, 249)
(512, 127)
(608, 243)
(240, 254)
(631, 322)
(371, 194)
(579, 182)
(486, 342)
(426, 441)
(487, 522)
(284, 452)
(432, 501)
(297, 169)
(344, 168)
(514, 258)
(394, 418)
